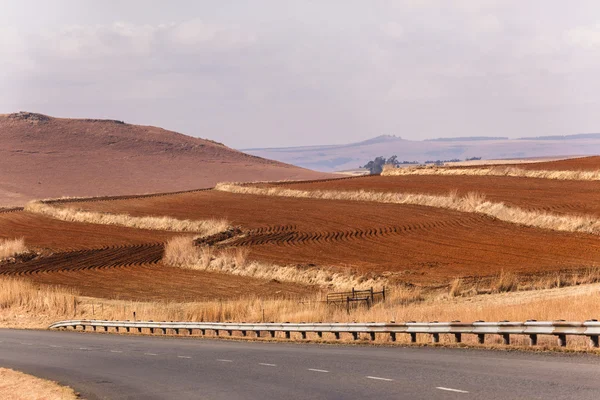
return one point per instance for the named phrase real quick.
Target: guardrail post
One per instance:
(176, 331)
(393, 336)
(257, 334)
(303, 335)
(243, 333)
(139, 330)
(562, 340)
(458, 337)
(106, 329)
(355, 335)
(164, 331)
(230, 332)
(288, 334)
(435, 338)
(217, 332)
(190, 332)
(594, 341)
(505, 338)
(372, 334)
(203, 331)
(320, 335)
(533, 340)
(480, 338)
(413, 337)
(127, 329)
(337, 335)
(272, 334)
(152, 330)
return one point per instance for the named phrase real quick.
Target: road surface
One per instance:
(102, 366)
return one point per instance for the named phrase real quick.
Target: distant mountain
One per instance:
(351, 156)
(42, 156)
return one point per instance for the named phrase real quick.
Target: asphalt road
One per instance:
(129, 367)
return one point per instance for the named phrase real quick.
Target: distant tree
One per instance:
(375, 166)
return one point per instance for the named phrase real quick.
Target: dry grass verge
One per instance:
(472, 202)
(12, 248)
(181, 252)
(203, 228)
(403, 304)
(21, 300)
(19, 386)
(495, 171)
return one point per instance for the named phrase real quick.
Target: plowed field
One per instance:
(561, 197)
(572, 164)
(418, 244)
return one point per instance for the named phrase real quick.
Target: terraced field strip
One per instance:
(561, 197)
(108, 257)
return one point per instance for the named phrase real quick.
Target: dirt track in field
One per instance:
(561, 197)
(417, 244)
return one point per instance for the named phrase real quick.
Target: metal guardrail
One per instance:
(560, 329)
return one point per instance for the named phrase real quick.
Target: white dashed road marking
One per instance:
(268, 365)
(150, 354)
(451, 390)
(83, 348)
(223, 360)
(317, 370)
(116, 351)
(27, 344)
(55, 346)
(183, 357)
(379, 379)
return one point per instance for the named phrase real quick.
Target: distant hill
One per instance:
(352, 155)
(42, 157)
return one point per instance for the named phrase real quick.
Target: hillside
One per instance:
(350, 156)
(42, 157)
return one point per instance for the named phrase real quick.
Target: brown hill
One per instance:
(42, 157)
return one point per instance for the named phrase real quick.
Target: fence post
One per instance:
(383, 293)
(348, 303)
(372, 295)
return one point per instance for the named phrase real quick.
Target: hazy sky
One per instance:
(282, 73)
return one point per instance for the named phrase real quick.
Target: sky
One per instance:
(291, 73)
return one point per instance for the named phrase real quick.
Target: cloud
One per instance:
(584, 36)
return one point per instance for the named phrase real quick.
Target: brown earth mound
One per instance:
(44, 157)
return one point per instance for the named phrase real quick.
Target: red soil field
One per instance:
(415, 244)
(561, 197)
(44, 157)
(572, 164)
(116, 262)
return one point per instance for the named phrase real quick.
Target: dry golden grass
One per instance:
(15, 292)
(494, 171)
(12, 248)
(471, 202)
(34, 307)
(203, 228)
(16, 385)
(181, 252)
